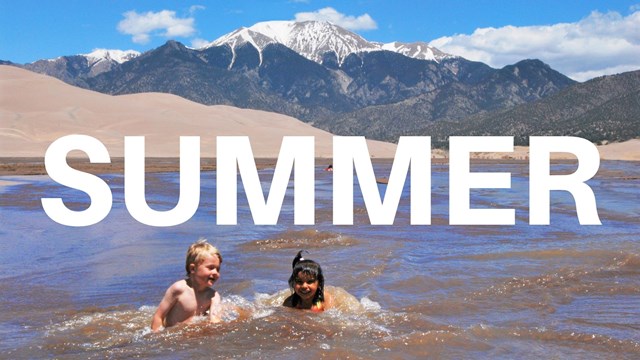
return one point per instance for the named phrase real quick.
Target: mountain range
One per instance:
(324, 75)
(602, 110)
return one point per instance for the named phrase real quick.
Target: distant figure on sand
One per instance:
(307, 283)
(192, 296)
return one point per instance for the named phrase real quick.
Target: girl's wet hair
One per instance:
(308, 267)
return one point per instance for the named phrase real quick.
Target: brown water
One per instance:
(558, 291)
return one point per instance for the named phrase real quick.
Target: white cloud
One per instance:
(163, 23)
(599, 44)
(194, 8)
(362, 22)
(198, 43)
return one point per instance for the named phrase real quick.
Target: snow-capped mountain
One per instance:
(242, 36)
(104, 55)
(118, 56)
(82, 66)
(416, 50)
(313, 39)
(101, 60)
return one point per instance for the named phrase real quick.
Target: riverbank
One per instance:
(625, 151)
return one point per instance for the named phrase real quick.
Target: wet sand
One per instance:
(17, 166)
(35, 166)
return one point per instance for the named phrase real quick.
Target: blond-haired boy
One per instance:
(192, 296)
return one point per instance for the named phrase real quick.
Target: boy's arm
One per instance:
(170, 298)
(215, 310)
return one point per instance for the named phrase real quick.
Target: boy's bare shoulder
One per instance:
(179, 286)
(182, 286)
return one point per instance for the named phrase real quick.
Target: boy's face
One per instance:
(207, 272)
(305, 286)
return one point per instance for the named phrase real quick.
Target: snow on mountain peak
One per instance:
(277, 30)
(328, 37)
(118, 56)
(312, 39)
(416, 50)
(242, 36)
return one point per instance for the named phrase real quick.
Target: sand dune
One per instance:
(35, 110)
(628, 150)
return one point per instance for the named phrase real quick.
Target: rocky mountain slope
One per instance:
(602, 110)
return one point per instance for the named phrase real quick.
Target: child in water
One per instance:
(192, 296)
(307, 283)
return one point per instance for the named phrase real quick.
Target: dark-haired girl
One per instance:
(307, 283)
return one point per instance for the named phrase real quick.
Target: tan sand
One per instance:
(627, 151)
(35, 110)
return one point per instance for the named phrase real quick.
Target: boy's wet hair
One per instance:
(311, 268)
(198, 251)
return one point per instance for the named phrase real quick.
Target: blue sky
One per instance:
(581, 38)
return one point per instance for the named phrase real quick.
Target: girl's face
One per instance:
(305, 285)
